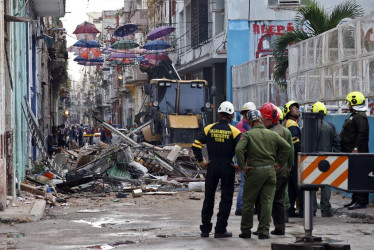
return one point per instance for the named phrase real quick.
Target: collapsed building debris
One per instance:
(121, 167)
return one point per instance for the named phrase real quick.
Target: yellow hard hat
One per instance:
(355, 98)
(286, 108)
(319, 107)
(280, 113)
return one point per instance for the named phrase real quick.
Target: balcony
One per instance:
(203, 56)
(54, 8)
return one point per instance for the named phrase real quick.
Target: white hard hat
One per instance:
(248, 106)
(226, 107)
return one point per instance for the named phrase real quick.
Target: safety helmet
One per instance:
(287, 107)
(269, 111)
(357, 100)
(226, 107)
(253, 115)
(319, 107)
(280, 113)
(248, 106)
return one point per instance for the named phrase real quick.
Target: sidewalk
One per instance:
(338, 200)
(26, 210)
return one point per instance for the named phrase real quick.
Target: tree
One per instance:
(311, 20)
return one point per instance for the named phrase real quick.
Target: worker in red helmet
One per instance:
(270, 119)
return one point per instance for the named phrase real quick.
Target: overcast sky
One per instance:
(76, 13)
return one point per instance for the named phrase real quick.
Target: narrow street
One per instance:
(161, 222)
(160, 100)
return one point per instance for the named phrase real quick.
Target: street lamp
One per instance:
(66, 113)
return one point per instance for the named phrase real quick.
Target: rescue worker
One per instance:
(289, 165)
(265, 151)
(243, 126)
(221, 139)
(355, 138)
(328, 141)
(291, 116)
(270, 119)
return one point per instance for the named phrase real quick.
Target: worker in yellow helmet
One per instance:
(291, 117)
(355, 138)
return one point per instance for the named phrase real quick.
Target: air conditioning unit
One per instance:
(218, 5)
(289, 3)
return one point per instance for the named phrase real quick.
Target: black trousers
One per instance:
(218, 170)
(294, 191)
(362, 198)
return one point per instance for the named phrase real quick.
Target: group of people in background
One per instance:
(266, 143)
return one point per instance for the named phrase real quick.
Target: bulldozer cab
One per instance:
(178, 109)
(178, 97)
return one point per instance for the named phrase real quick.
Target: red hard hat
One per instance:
(269, 111)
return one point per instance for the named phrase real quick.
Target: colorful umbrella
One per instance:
(157, 56)
(75, 49)
(87, 44)
(146, 63)
(86, 27)
(156, 45)
(125, 44)
(160, 32)
(91, 53)
(81, 59)
(86, 36)
(88, 63)
(125, 30)
(107, 50)
(122, 55)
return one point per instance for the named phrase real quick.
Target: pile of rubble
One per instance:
(124, 167)
(102, 168)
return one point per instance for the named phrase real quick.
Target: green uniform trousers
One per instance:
(259, 183)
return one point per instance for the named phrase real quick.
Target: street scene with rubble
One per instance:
(186, 124)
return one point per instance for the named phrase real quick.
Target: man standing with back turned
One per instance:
(266, 151)
(355, 139)
(221, 139)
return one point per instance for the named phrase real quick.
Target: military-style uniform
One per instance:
(282, 175)
(262, 148)
(221, 139)
(293, 189)
(355, 134)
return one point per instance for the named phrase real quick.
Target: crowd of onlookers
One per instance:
(77, 136)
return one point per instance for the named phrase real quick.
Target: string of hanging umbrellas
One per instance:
(121, 52)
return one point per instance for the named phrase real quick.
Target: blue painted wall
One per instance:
(237, 49)
(338, 121)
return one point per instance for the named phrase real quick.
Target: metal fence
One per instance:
(253, 81)
(329, 66)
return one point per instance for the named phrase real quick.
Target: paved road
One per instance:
(158, 222)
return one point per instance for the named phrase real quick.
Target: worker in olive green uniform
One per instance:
(270, 119)
(328, 141)
(355, 139)
(262, 147)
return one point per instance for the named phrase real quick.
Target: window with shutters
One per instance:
(199, 22)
